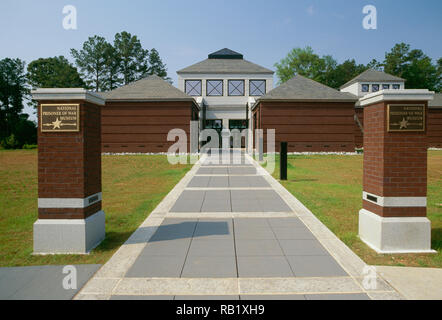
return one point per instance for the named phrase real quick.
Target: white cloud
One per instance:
(311, 10)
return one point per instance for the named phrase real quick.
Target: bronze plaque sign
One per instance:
(406, 118)
(60, 117)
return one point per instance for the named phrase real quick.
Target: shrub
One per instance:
(10, 142)
(29, 146)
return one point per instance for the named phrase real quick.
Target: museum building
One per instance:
(225, 91)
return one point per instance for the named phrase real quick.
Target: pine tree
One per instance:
(13, 90)
(113, 62)
(91, 60)
(157, 66)
(134, 59)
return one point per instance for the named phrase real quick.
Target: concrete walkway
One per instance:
(231, 231)
(414, 283)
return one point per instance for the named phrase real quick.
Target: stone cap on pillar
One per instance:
(67, 94)
(397, 95)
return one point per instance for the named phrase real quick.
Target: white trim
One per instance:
(67, 94)
(396, 201)
(69, 236)
(395, 235)
(397, 95)
(49, 203)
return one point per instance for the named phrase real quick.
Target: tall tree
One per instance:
(396, 60)
(439, 74)
(414, 66)
(134, 59)
(54, 72)
(91, 60)
(344, 72)
(305, 62)
(113, 64)
(375, 65)
(156, 65)
(13, 90)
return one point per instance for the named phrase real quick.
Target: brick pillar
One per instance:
(70, 219)
(393, 218)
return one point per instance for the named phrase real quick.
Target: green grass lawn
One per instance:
(331, 187)
(132, 188)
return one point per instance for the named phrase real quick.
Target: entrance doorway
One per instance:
(239, 124)
(216, 124)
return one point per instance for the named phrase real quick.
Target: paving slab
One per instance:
(254, 233)
(315, 266)
(292, 222)
(215, 229)
(218, 182)
(258, 248)
(251, 222)
(302, 248)
(189, 201)
(414, 283)
(210, 267)
(293, 233)
(157, 267)
(176, 247)
(199, 182)
(205, 248)
(173, 231)
(242, 170)
(41, 282)
(263, 266)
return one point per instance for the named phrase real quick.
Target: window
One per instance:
(214, 88)
(214, 124)
(236, 87)
(257, 87)
(365, 88)
(385, 86)
(396, 86)
(237, 124)
(193, 87)
(375, 88)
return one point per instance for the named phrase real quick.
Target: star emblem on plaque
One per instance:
(403, 124)
(60, 117)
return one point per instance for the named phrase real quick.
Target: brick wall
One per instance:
(143, 126)
(359, 135)
(395, 163)
(309, 126)
(435, 127)
(69, 163)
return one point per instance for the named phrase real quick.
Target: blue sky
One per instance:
(185, 31)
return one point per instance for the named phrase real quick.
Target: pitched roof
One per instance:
(372, 75)
(225, 53)
(151, 88)
(225, 61)
(436, 102)
(304, 89)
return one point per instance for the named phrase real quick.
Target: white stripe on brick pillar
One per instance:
(395, 201)
(52, 203)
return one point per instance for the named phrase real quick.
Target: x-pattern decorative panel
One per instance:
(214, 87)
(257, 87)
(193, 87)
(236, 87)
